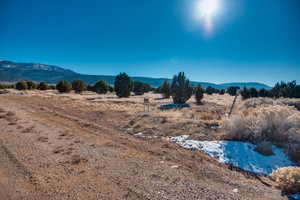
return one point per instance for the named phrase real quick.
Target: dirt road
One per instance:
(59, 148)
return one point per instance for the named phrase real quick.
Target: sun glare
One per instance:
(206, 10)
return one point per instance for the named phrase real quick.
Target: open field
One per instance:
(72, 146)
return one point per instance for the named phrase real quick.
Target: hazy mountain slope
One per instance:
(11, 71)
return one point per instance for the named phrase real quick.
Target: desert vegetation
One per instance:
(259, 119)
(288, 179)
(263, 120)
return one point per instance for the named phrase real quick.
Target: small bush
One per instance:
(78, 86)
(42, 86)
(288, 179)
(22, 85)
(64, 86)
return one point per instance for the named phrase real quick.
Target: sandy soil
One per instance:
(75, 146)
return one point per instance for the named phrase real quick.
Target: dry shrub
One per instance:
(260, 121)
(288, 179)
(254, 102)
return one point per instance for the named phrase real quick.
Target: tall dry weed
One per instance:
(266, 120)
(288, 179)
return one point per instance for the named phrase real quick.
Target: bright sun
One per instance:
(206, 11)
(208, 8)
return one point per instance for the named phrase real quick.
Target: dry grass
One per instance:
(288, 179)
(265, 120)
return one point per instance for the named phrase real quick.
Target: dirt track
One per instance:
(59, 148)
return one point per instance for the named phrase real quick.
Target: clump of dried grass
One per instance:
(264, 120)
(255, 102)
(288, 179)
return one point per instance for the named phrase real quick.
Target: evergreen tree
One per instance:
(139, 88)
(42, 86)
(199, 94)
(123, 85)
(78, 86)
(165, 90)
(263, 93)
(245, 93)
(101, 87)
(52, 87)
(110, 88)
(31, 85)
(181, 89)
(64, 86)
(253, 93)
(21, 85)
(232, 90)
(222, 91)
(210, 90)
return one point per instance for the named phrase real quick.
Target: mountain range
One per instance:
(13, 71)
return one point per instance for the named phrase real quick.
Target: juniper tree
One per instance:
(31, 85)
(101, 87)
(78, 86)
(253, 92)
(210, 90)
(110, 88)
(222, 91)
(21, 85)
(123, 85)
(199, 94)
(165, 89)
(245, 93)
(181, 89)
(64, 86)
(232, 90)
(139, 88)
(42, 86)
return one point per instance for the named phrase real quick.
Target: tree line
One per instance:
(180, 88)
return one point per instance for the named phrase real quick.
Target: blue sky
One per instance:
(251, 40)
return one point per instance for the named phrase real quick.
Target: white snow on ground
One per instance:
(239, 154)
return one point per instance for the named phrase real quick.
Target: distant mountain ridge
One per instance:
(12, 72)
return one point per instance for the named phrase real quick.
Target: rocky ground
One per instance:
(91, 146)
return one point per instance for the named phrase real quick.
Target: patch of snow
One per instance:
(141, 134)
(239, 154)
(178, 139)
(138, 134)
(235, 190)
(215, 127)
